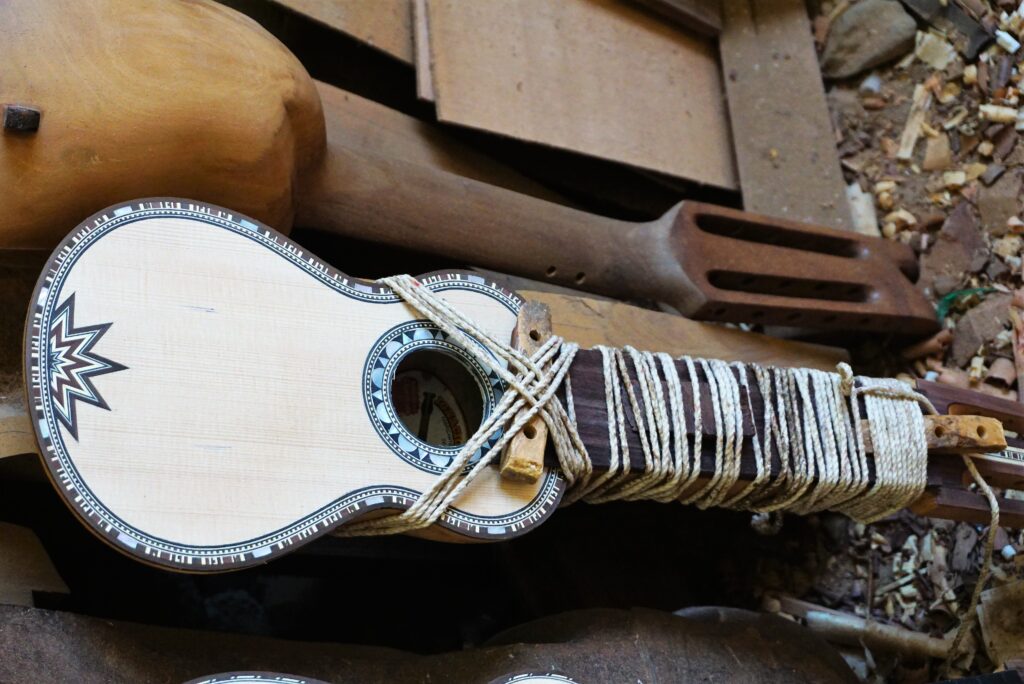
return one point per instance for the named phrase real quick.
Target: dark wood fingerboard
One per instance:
(588, 390)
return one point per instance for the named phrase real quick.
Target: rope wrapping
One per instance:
(809, 453)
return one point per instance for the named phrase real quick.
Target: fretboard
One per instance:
(589, 399)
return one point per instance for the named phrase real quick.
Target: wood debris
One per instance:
(956, 199)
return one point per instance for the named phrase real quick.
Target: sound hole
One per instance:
(437, 398)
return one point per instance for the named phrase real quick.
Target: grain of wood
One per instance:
(383, 24)
(360, 124)
(421, 52)
(594, 76)
(523, 459)
(701, 16)
(785, 144)
(590, 322)
(919, 106)
(954, 434)
(235, 119)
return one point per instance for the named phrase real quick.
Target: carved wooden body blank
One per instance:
(195, 100)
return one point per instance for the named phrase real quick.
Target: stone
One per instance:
(979, 326)
(944, 284)
(996, 269)
(992, 173)
(870, 33)
(998, 202)
(959, 248)
(1005, 143)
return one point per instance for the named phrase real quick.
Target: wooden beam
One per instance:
(781, 128)
(701, 16)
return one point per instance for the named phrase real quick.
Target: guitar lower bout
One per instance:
(207, 395)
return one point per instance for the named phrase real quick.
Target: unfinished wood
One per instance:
(383, 24)
(599, 77)
(360, 124)
(25, 567)
(16, 436)
(698, 258)
(781, 128)
(235, 118)
(591, 322)
(957, 503)
(265, 151)
(421, 52)
(700, 16)
(592, 417)
(919, 106)
(843, 628)
(956, 435)
(523, 459)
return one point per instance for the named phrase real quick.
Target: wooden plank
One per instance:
(598, 77)
(785, 145)
(382, 24)
(366, 126)
(523, 458)
(590, 322)
(701, 16)
(25, 567)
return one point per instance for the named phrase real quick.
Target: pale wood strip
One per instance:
(598, 77)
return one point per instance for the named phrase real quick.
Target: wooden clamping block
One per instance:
(523, 458)
(955, 434)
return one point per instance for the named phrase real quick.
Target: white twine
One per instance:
(808, 450)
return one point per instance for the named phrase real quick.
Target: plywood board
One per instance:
(383, 24)
(600, 77)
(785, 145)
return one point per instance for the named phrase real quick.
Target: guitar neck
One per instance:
(590, 402)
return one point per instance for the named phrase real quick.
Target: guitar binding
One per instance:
(167, 553)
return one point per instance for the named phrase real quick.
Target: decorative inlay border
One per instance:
(68, 481)
(253, 678)
(379, 372)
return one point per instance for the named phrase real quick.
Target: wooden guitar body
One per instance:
(149, 97)
(207, 395)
